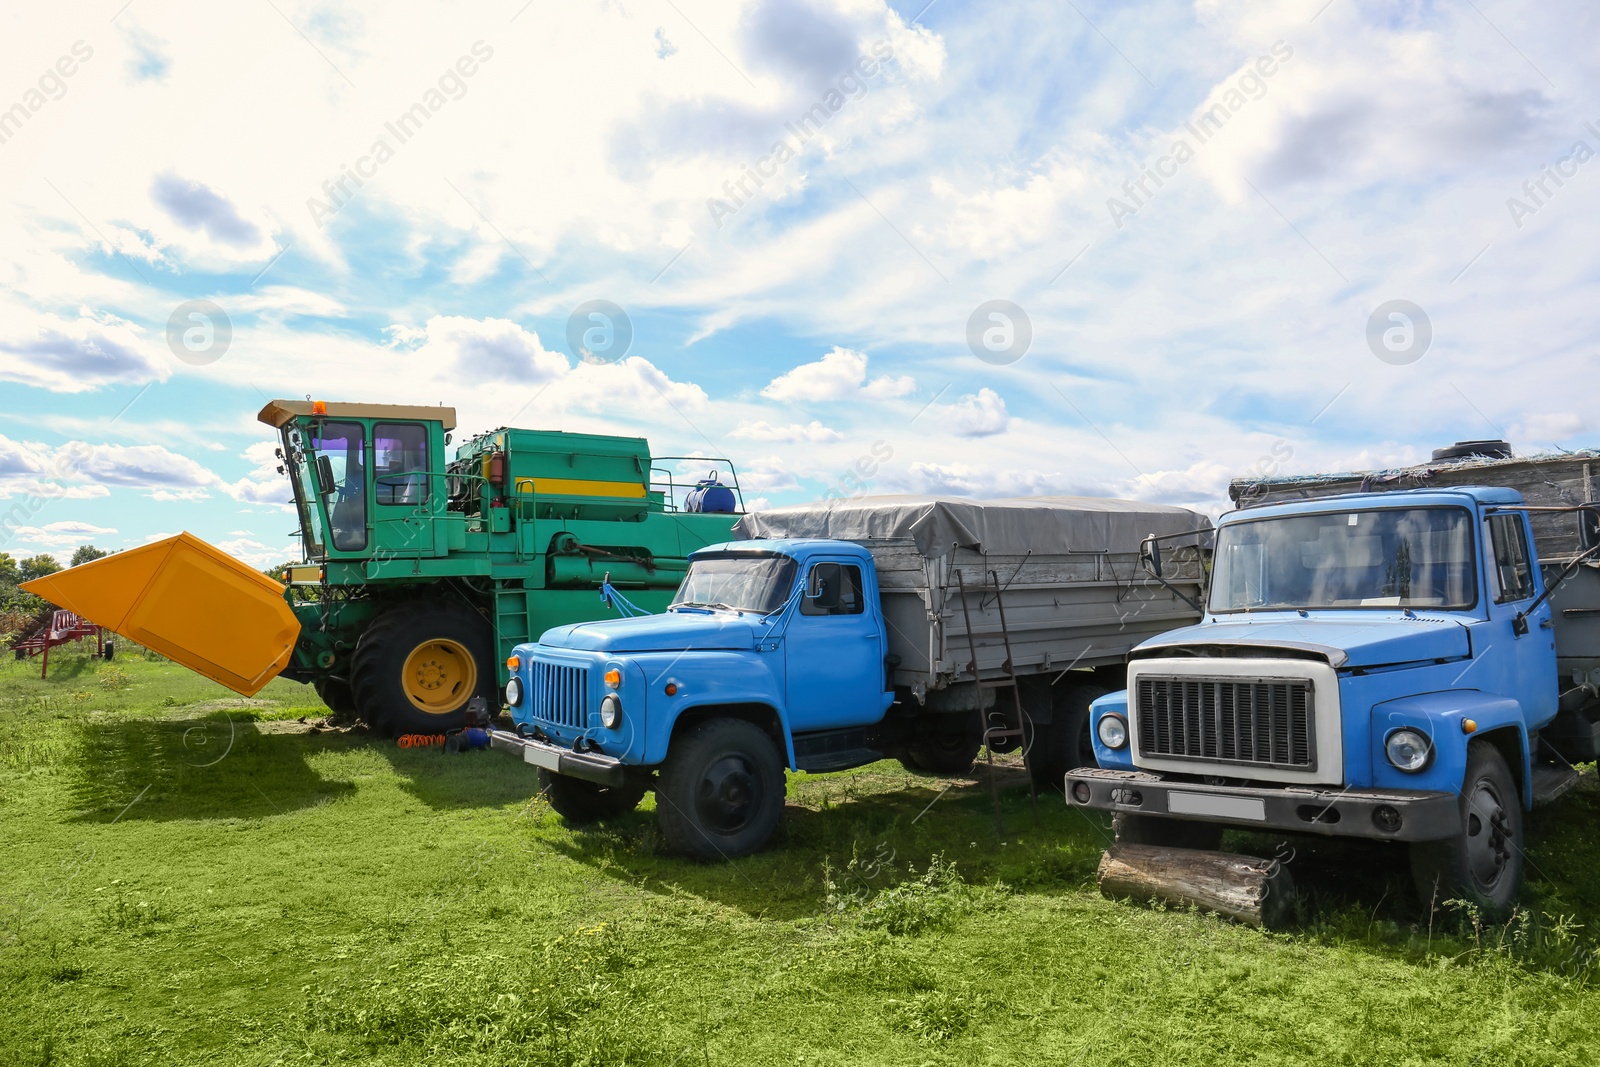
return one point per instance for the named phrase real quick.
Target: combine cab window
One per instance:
(400, 463)
(339, 448)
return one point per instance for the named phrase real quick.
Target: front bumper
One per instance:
(1380, 814)
(590, 766)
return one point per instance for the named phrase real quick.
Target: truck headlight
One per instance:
(1409, 750)
(1113, 731)
(611, 711)
(514, 692)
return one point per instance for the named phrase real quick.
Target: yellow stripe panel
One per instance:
(579, 487)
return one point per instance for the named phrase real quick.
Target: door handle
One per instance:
(1547, 624)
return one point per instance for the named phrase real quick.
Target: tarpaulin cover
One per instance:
(1041, 525)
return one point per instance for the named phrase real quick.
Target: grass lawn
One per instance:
(193, 878)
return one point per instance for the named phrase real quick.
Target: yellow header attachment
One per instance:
(188, 601)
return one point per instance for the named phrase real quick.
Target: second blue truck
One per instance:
(831, 636)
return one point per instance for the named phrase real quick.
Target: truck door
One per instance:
(834, 649)
(1513, 583)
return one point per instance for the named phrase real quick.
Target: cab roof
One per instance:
(1457, 496)
(278, 412)
(797, 547)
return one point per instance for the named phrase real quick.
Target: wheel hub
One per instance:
(1488, 835)
(439, 675)
(728, 794)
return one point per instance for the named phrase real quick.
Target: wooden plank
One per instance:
(1251, 890)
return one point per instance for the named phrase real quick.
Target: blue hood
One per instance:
(1368, 640)
(673, 631)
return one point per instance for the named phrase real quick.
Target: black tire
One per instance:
(336, 694)
(1066, 741)
(720, 793)
(946, 745)
(1483, 863)
(377, 670)
(110, 651)
(1165, 833)
(579, 802)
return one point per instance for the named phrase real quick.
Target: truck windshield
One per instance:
(759, 584)
(1382, 558)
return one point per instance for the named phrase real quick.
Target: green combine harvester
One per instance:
(421, 573)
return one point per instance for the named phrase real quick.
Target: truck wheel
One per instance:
(720, 794)
(1483, 863)
(945, 745)
(417, 665)
(1067, 741)
(1165, 833)
(337, 694)
(578, 801)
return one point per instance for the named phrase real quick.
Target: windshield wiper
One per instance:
(711, 607)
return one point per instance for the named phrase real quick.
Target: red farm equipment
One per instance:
(63, 627)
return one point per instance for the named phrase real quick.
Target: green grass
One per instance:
(191, 878)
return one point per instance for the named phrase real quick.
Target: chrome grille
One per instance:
(1227, 720)
(561, 694)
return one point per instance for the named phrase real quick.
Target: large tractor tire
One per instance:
(1066, 742)
(336, 694)
(1483, 863)
(581, 802)
(720, 794)
(417, 665)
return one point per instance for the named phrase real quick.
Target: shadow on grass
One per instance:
(219, 765)
(892, 833)
(477, 778)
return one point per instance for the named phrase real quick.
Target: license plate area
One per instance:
(1253, 809)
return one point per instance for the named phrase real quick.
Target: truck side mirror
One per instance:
(1589, 526)
(1150, 556)
(823, 585)
(325, 474)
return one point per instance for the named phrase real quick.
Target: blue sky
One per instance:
(1206, 212)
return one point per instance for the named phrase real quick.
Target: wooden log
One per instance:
(1246, 888)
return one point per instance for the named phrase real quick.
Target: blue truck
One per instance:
(833, 635)
(1416, 663)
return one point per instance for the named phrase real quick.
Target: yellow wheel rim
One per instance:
(439, 676)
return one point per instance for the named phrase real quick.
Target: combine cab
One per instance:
(421, 573)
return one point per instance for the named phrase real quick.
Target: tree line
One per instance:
(17, 608)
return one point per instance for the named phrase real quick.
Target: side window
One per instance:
(833, 589)
(339, 453)
(1513, 567)
(400, 463)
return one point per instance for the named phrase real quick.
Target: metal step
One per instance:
(1550, 781)
(822, 762)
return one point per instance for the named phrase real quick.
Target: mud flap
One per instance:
(188, 601)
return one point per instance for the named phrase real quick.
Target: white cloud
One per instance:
(263, 485)
(493, 349)
(64, 534)
(260, 555)
(977, 415)
(840, 374)
(812, 432)
(77, 355)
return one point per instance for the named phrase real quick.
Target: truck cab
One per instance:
(771, 655)
(1374, 665)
